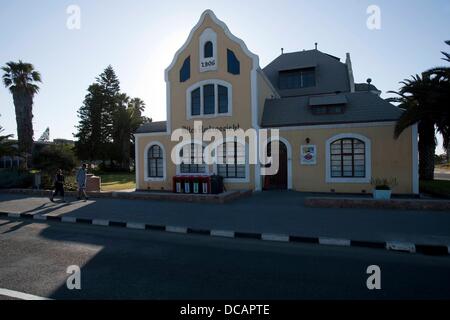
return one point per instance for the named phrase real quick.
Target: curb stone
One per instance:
(397, 246)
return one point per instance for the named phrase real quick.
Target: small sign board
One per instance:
(308, 154)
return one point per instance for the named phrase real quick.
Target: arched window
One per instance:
(155, 162)
(208, 50)
(192, 161)
(348, 158)
(231, 160)
(209, 98)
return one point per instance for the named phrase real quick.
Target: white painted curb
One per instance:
(69, 219)
(176, 229)
(334, 242)
(99, 222)
(274, 237)
(401, 246)
(20, 295)
(222, 233)
(132, 225)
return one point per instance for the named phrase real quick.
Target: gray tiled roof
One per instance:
(331, 74)
(360, 107)
(152, 127)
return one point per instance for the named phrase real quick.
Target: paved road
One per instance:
(442, 174)
(121, 263)
(267, 212)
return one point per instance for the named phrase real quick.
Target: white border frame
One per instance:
(208, 35)
(147, 147)
(368, 159)
(216, 114)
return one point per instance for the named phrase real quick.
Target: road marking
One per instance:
(401, 246)
(176, 229)
(99, 222)
(334, 242)
(20, 295)
(69, 219)
(222, 233)
(133, 225)
(275, 237)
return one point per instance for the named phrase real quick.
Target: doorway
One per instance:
(278, 181)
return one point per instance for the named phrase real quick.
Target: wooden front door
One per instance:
(280, 180)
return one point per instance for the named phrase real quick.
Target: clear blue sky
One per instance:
(139, 39)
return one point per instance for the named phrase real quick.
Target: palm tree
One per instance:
(425, 100)
(21, 79)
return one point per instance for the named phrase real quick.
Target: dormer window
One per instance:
(297, 79)
(208, 50)
(331, 109)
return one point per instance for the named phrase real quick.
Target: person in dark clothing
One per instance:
(59, 185)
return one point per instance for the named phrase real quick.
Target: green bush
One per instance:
(49, 158)
(15, 179)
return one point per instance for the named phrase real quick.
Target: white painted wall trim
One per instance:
(146, 173)
(337, 126)
(216, 83)
(368, 159)
(289, 159)
(415, 159)
(136, 160)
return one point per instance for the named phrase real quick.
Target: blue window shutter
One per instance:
(185, 72)
(234, 66)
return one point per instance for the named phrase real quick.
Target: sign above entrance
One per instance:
(308, 155)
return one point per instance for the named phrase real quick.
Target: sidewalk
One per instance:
(279, 213)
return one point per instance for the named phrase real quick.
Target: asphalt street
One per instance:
(130, 264)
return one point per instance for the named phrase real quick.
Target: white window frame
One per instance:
(201, 84)
(208, 35)
(178, 167)
(247, 163)
(146, 173)
(368, 157)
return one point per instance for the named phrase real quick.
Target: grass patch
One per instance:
(440, 188)
(117, 181)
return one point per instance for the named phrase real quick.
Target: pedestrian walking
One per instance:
(58, 182)
(81, 182)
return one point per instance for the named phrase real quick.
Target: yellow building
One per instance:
(335, 135)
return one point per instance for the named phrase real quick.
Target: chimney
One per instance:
(282, 50)
(351, 78)
(316, 45)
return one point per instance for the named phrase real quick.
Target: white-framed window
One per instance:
(192, 162)
(348, 159)
(209, 98)
(232, 158)
(155, 162)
